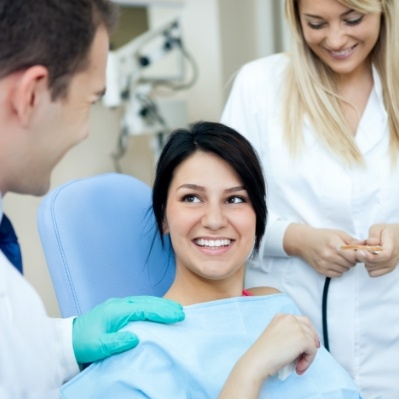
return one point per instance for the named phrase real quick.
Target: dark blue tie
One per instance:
(9, 243)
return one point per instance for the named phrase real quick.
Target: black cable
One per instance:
(324, 313)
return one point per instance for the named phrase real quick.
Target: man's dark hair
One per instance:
(226, 143)
(57, 34)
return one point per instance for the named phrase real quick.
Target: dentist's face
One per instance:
(341, 37)
(210, 218)
(64, 122)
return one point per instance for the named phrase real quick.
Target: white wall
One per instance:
(221, 35)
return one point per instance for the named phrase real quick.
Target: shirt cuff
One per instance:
(272, 243)
(68, 364)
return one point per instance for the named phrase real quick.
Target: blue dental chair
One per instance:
(100, 241)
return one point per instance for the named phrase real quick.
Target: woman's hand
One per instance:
(386, 235)
(318, 248)
(287, 339)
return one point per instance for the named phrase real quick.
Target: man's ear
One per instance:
(30, 88)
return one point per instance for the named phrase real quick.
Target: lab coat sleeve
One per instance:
(36, 353)
(243, 112)
(63, 346)
(272, 242)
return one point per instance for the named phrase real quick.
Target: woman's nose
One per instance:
(336, 38)
(214, 217)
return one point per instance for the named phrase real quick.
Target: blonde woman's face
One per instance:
(341, 37)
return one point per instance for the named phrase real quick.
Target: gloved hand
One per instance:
(95, 334)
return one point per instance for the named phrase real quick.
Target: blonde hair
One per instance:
(311, 89)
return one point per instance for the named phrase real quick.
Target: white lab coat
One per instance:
(36, 354)
(316, 189)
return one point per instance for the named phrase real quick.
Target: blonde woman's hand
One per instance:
(318, 248)
(387, 236)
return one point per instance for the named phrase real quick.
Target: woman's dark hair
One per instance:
(226, 143)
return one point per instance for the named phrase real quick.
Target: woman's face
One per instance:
(210, 218)
(341, 37)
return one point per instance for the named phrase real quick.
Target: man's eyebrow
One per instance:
(100, 93)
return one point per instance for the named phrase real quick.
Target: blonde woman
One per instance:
(325, 121)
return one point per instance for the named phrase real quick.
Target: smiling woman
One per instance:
(342, 38)
(210, 220)
(209, 212)
(209, 198)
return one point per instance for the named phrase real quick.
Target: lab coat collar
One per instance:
(373, 123)
(378, 86)
(369, 131)
(2, 260)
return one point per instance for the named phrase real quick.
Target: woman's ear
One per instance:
(165, 227)
(30, 89)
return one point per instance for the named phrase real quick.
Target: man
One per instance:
(52, 69)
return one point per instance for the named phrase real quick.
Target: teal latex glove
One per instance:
(96, 335)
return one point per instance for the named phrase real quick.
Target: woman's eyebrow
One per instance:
(344, 14)
(200, 188)
(235, 189)
(192, 187)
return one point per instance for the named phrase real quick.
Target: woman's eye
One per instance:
(353, 22)
(235, 200)
(190, 198)
(350, 22)
(315, 25)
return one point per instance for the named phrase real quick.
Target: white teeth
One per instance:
(212, 243)
(341, 53)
